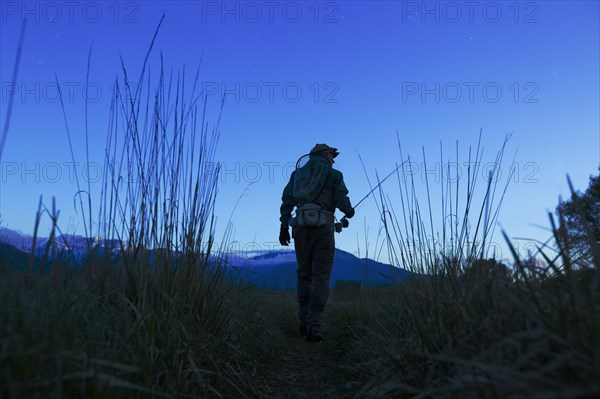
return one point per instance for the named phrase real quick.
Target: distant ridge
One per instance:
(277, 270)
(76, 244)
(272, 269)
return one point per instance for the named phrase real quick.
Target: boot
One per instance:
(313, 335)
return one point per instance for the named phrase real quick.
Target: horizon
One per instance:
(247, 254)
(437, 74)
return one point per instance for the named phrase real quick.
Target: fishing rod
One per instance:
(343, 223)
(379, 184)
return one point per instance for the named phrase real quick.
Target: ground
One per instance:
(301, 370)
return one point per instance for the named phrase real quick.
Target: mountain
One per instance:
(268, 269)
(15, 239)
(277, 270)
(73, 244)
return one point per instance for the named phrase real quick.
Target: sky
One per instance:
(360, 76)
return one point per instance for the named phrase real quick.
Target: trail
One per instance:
(302, 370)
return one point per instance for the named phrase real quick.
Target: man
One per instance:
(316, 190)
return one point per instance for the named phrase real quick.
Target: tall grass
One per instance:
(150, 312)
(452, 231)
(469, 327)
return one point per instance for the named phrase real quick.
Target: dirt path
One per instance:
(305, 371)
(302, 370)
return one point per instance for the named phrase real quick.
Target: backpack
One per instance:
(310, 178)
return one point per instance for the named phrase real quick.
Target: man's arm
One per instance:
(342, 202)
(287, 202)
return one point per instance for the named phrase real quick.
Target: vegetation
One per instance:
(579, 221)
(154, 326)
(150, 312)
(155, 316)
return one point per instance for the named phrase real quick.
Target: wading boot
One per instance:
(313, 335)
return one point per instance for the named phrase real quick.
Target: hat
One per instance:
(323, 149)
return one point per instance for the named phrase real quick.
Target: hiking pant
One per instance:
(314, 253)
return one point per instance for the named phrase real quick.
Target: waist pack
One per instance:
(312, 215)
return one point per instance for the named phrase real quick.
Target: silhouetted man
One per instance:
(316, 190)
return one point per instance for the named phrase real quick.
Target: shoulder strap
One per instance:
(322, 187)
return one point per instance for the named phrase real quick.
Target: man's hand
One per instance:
(284, 236)
(342, 224)
(350, 214)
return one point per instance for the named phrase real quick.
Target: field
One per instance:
(125, 323)
(190, 333)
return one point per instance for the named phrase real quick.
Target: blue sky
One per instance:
(348, 73)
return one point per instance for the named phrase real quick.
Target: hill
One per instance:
(277, 270)
(271, 269)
